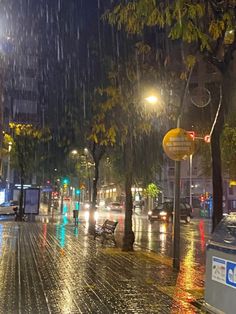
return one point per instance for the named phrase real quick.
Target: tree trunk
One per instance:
(97, 153)
(21, 197)
(95, 182)
(216, 151)
(128, 239)
(92, 221)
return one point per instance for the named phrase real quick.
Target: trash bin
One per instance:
(220, 283)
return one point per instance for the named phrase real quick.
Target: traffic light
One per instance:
(202, 198)
(192, 134)
(77, 192)
(65, 181)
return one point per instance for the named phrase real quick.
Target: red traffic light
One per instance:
(202, 198)
(192, 134)
(207, 138)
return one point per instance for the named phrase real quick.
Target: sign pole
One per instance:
(176, 235)
(178, 145)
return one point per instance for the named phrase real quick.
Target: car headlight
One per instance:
(163, 213)
(87, 205)
(150, 212)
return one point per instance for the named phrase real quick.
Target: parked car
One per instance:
(164, 212)
(8, 208)
(114, 206)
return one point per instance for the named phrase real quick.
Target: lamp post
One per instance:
(176, 234)
(190, 178)
(176, 237)
(9, 170)
(86, 152)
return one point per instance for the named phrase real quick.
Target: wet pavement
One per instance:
(51, 266)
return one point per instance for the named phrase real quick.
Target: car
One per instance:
(8, 208)
(114, 206)
(165, 210)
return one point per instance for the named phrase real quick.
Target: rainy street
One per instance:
(117, 156)
(53, 266)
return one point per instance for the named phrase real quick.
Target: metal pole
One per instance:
(89, 184)
(8, 170)
(176, 236)
(190, 178)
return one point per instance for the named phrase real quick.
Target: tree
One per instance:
(130, 123)
(208, 27)
(152, 190)
(26, 138)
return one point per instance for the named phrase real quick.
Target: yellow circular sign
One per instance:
(178, 144)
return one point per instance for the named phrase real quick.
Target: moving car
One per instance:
(8, 208)
(115, 206)
(165, 210)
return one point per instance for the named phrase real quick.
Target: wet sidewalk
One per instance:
(59, 268)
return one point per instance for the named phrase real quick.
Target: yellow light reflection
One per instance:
(186, 280)
(163, 237)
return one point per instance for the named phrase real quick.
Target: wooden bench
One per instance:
(106, 231)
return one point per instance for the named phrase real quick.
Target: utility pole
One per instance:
(9, 170)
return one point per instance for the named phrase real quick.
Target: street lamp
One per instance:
(74, 152)
(9, 169)
(86, 152)
(152, 99)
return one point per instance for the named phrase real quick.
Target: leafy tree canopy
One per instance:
(152, 190)
(208, 24)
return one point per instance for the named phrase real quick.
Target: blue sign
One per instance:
(231, 274)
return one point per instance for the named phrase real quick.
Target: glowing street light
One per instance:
(74, 152)
(152, 99)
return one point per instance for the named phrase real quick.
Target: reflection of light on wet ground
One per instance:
(61, 231)
(44, 234)
(86, 215)
(163, 237)
(44, 219)
(67, 302)
(149, 237)
(65, 208)
(186, 280)
(137, 227)
(202, 235)
(188, 264)
(76, 231)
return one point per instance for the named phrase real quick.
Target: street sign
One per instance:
(178, 144)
